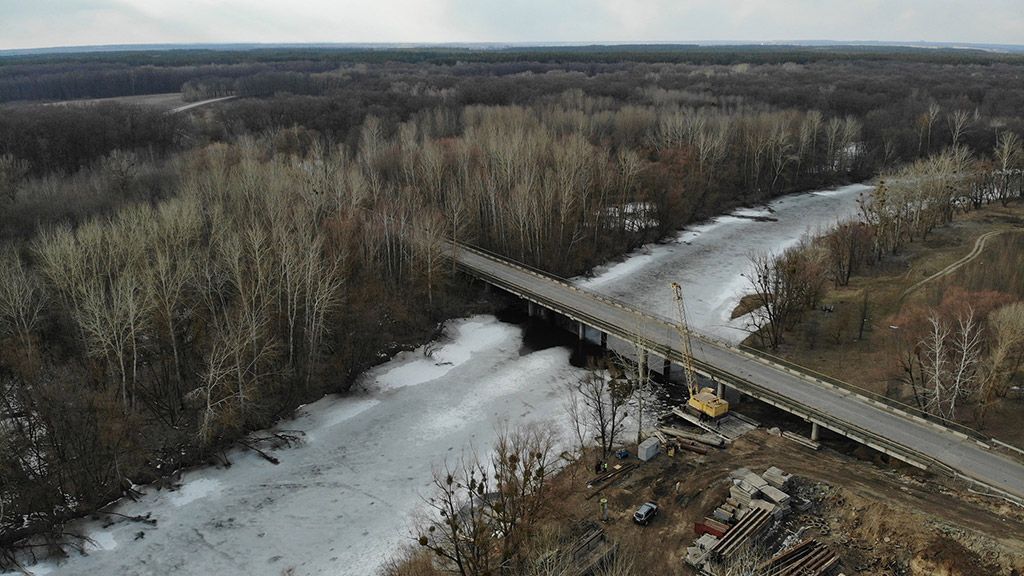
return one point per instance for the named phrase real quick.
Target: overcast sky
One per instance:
(44, 23)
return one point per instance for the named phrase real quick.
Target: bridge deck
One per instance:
(912, 439)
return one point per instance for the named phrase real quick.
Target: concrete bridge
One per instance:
(894, 429)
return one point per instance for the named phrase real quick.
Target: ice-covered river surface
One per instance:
(341, 501)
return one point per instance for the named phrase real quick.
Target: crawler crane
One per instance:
(703, 401)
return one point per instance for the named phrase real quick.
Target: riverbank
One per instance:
(344, 498)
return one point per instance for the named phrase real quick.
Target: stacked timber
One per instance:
(808, 558)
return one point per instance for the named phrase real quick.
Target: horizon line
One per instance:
(162, 46)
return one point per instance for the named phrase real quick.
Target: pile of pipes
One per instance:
(755, 502)
(808, 558)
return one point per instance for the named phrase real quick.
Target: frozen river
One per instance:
(707, 259)
(341, 501)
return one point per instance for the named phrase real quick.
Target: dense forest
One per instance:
(170, 282)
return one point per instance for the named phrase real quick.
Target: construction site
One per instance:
(764, 503)
(710, 490)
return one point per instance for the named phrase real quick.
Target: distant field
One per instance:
(167, 101)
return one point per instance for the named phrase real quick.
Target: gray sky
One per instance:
(41, 23)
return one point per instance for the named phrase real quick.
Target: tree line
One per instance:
(171, 283)
(958, 357)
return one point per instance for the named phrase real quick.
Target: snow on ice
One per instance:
(342, 500)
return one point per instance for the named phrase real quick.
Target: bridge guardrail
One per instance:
(907, 409)
(811, 414)
(756, 390)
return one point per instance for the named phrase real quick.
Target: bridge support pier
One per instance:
(814, 431)
(604, 340)
(531, 309)
(641, 365)
(666, 369)
(581, 331)
(720, 392)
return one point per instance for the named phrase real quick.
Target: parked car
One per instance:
(645, 512)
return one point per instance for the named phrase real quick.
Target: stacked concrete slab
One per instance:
(776, 477)
(775, 495)
(696, 554)
(755, 501)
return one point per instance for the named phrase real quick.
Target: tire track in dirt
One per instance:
(979, 245)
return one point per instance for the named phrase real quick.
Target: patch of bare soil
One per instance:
(747, 304)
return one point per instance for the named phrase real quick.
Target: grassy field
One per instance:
(858, 340)
(167, 101)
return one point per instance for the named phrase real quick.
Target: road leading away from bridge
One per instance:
(907, 437)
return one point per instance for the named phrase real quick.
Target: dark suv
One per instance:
(645, 512)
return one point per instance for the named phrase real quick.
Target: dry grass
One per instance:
(999, 267)
(832, 343)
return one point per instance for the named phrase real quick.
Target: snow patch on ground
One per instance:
(102, 541)
(195, 490)
(762, 212)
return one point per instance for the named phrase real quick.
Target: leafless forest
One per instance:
(171, 282)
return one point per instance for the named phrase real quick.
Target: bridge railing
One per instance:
(870, 394)
(765, 394)
(802, 371)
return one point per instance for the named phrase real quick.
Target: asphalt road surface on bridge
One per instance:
(898, 433)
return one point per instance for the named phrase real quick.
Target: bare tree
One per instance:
(1008, 156)
(1006, 354)
(848, 246)
(21, 299)
(481, 515)
(600, 407)
(12, 172)
(927, 122)
(948, 360)
(522, 464)
(957, 122)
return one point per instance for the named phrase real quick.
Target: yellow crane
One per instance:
(702, 400)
